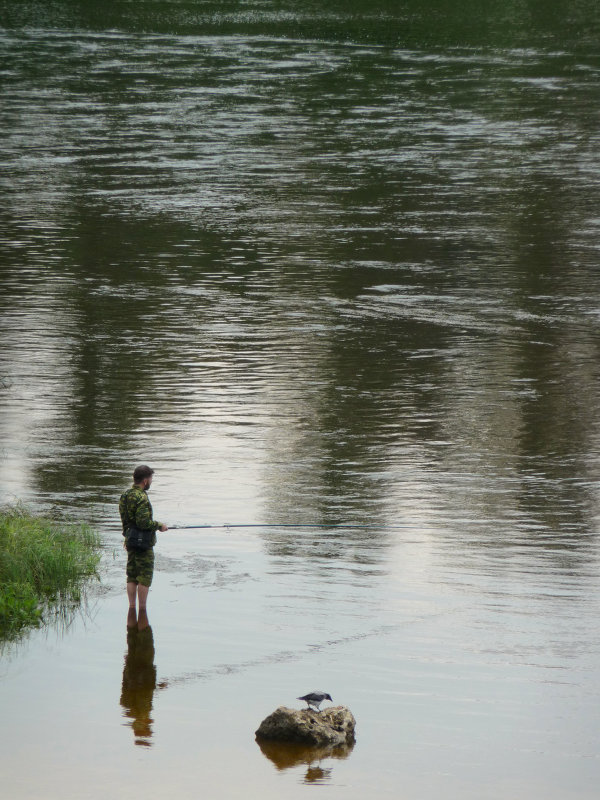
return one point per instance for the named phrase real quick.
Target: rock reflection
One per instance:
(139, 678)
(286, 755)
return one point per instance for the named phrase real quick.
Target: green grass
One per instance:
(44, 563)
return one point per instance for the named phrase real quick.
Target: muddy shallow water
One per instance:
(333, 273)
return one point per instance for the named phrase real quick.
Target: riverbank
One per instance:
(43, 565)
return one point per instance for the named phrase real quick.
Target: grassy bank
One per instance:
(43, 566)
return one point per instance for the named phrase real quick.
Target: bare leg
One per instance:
(142, 596)
(131, 593)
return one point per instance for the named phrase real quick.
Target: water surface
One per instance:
(319, 266)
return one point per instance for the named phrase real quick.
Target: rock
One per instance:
(332, 726)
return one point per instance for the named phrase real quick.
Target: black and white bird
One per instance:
(315, 699)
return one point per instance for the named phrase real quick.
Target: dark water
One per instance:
(317, 264)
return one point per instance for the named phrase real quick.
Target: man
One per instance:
(136, 511)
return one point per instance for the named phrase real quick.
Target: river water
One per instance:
(332, 270)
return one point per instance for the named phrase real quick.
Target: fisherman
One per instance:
(136, 515)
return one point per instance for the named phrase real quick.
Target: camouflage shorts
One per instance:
(140, 566)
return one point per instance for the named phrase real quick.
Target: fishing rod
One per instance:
(329, 525)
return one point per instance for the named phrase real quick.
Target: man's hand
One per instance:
(163, 528)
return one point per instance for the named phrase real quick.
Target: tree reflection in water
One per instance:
(139, 678)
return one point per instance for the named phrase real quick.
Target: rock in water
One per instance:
(329, 727)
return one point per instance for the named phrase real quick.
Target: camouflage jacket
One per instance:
(135, 509)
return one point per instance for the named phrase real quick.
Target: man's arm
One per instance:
(143, 515)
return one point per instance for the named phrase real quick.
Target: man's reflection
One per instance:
(139, 677)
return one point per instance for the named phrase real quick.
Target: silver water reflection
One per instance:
(373, 266)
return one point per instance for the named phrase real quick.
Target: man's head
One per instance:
(142, 476)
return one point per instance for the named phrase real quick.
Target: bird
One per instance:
(315, 699)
